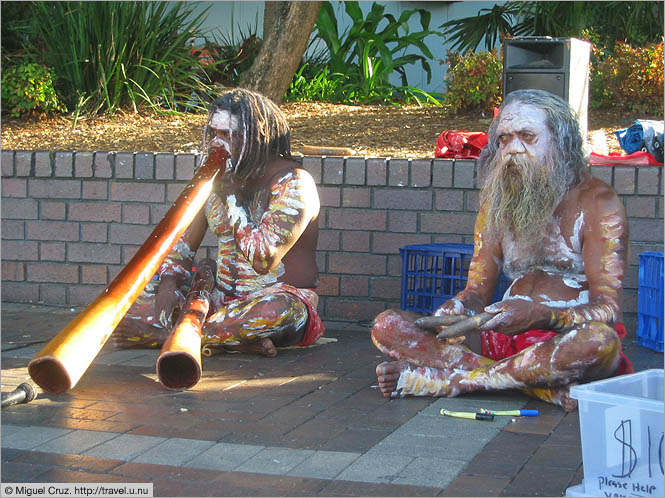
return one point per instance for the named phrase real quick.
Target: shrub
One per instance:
(27, 88)
(474, 81)
(364, 56)
(109, 55)
(311, 84)
(629, 78)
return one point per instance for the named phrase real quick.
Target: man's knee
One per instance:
(596, 344)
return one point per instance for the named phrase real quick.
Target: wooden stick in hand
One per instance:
(434, 322)
(469, 324)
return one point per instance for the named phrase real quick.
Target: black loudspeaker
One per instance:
(557, 65)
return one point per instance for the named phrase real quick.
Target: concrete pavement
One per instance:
(309, 422)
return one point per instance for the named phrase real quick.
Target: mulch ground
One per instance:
(370, 130)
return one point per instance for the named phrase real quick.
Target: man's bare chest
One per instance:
(560, 249)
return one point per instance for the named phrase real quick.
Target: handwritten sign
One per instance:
(633, 442)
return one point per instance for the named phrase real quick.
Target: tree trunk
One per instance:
(286, 30)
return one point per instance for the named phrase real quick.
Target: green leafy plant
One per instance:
(372, 49)
(474, 81)
(27, 88)
(628, 77)
(16, 27)
(635, 22)
(311, 84)
(108, 55)
(489, 24)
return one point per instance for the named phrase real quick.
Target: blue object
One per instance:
(645, 135)
(650, 301)
(631, 138)
(511, 413)
(433, 273)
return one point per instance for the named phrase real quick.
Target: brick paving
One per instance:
(309, 422)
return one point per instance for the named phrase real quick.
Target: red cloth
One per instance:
(498, 346)
(315, 327)
(639, 158)
(458, 144)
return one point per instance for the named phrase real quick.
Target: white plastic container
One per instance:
(621, 426)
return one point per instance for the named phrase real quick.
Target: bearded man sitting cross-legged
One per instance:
(561, 236)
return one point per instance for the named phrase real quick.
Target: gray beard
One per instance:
(520, 196)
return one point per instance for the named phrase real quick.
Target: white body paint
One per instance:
(419, 382)
(553, 254)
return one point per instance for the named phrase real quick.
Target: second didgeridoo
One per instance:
(59, 366)
(179, 363)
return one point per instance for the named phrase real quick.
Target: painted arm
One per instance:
(605, 254)
(293, 202)
(178, 263)
(483, 274)
(176, 269)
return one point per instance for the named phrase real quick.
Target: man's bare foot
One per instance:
(398, 379)
(264, 347)
(387, 373)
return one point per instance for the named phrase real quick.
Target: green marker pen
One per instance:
(469, 415)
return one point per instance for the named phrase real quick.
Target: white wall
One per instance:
(231, 18)
(234, 18)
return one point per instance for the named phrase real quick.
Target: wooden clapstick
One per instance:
(470, 324)
(434, 322)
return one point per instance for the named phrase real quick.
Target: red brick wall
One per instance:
(71, 221)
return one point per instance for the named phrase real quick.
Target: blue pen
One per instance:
(512, 413)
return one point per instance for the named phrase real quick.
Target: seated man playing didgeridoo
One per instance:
(561, 236)
(263, 212)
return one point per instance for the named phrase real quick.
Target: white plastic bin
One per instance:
(621, 426)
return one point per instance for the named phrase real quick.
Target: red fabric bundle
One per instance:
(459, 144)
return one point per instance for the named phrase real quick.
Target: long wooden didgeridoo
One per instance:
(59, 366)
(179, 363)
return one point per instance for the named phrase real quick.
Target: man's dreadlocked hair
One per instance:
(262, 126)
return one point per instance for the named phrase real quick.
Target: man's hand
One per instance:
(514, 316)
(471, 305)
(167, 299)
(452, 307)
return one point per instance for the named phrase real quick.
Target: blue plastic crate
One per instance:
(433, 273)
(650, 301)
